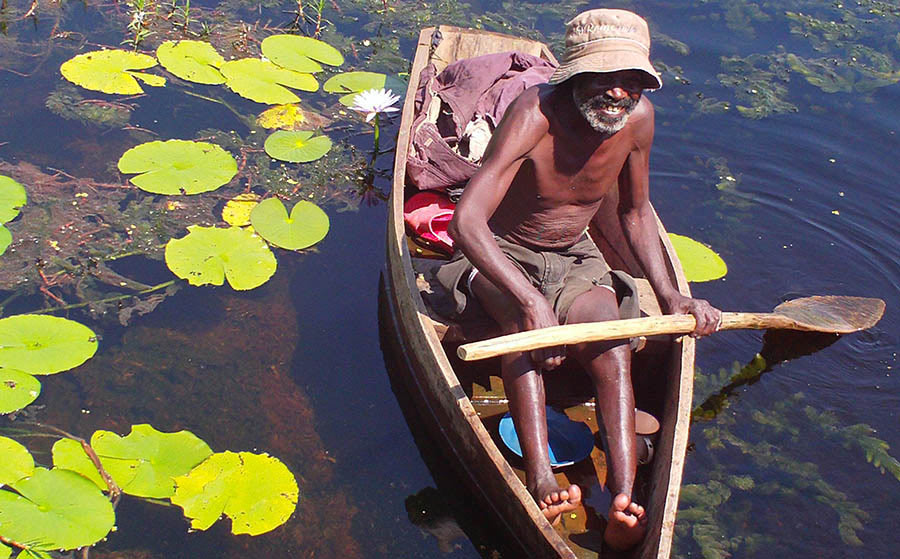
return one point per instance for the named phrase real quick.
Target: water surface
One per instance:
(800, 202)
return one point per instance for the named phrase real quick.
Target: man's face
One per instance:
(607, 99)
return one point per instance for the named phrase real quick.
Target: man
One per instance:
(560, 149)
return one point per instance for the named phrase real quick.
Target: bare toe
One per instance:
(555, 503)
(627, 523)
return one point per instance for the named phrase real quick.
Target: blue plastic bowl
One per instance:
(569, 441)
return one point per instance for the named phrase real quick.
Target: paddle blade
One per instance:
(833, 313)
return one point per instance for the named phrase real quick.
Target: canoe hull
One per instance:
(442, 399)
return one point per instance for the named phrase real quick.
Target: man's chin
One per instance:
(604, 124)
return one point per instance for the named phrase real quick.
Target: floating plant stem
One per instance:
(319, 9)
(186, 15)
(377, 137)
(248, 120)
(114, 491)
(151, 289)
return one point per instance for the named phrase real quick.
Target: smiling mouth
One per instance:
(613, 111)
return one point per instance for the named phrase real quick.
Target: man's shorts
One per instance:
(560, 275)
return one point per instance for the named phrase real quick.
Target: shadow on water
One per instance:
(445, 512)
(779, 346)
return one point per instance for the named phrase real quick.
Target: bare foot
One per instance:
(554, 501)
(627, 523)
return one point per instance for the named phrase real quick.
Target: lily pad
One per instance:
(256, 491)
(306, 226)
(194, 61)
(351, 83)
(111, 71)
(143, 464)
(209, 255)
(291, 117)
(178, 166)
(12, 198)
(17, 462)
(237, 210)
(264, 82)
(700, 263)
(43, 345)
(55, 510)
(300, 53)
(296, 146)
(17, 390)
(69, 455)
(5, 239)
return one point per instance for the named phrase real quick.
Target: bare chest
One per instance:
(567, 173)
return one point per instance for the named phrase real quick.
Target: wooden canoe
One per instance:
(462, 404)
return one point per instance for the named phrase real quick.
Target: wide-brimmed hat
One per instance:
(607, 40)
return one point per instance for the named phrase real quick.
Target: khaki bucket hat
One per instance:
(607, 40)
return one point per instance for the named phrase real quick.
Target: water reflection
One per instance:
(778, 346)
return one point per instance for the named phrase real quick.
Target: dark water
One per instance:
(296, 367)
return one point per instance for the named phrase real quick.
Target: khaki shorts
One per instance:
(560, 275)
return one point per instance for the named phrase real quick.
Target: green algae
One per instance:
(715, 515)
(855, 45)
(759, 84)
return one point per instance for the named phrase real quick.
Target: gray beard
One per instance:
(589, 109)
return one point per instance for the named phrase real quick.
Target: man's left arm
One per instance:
(640, 228)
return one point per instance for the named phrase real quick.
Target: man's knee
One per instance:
(599, 304)
(497, 304)
(610, 356)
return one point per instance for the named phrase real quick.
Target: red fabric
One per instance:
(427, 215)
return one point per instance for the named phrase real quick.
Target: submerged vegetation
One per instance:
(720, 515)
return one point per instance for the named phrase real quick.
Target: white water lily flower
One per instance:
(374, 101)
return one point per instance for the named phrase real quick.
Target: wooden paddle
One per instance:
(833, 314)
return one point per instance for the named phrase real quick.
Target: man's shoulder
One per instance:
(530, 111)
(532, 100)
(643, 114)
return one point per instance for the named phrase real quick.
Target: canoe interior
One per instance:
(464, 402)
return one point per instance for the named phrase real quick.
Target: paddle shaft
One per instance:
(617, 330)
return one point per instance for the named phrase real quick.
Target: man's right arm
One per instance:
(521, 128)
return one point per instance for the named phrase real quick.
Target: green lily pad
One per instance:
(55, 510)
(178, 166)
(12, 198)
(300, 53)
(306, 226)
(69, 455)
(33, 554)
(17, 462)
(208, 255)
(43, 345)
(143, 464)
(296, 146)
(256, 491)
(17, 390)
(111, 71)
(351, 83)
(700, 263)
(5, 239)
(264, 82)
(194, 61)
(5, 552)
